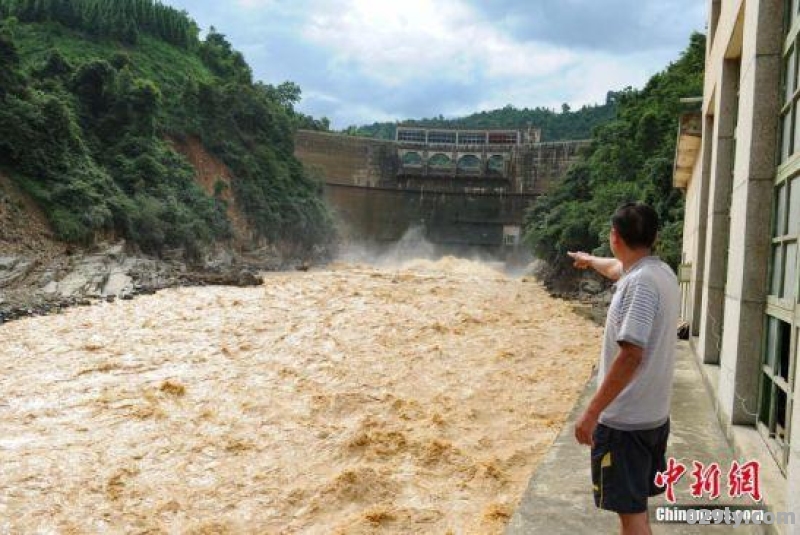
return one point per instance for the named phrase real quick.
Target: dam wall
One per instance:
(379, 189)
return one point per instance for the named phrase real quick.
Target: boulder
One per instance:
(248, 278)
(14, 268)
(117, 283)
(591, 286)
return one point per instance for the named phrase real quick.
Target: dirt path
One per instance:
(354, 400)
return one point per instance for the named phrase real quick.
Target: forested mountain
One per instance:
(123, 21)
(93, 91)
(556, 126)
(631, 159)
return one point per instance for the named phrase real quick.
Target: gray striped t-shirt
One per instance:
(643, 312)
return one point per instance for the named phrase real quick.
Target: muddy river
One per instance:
(413, 399)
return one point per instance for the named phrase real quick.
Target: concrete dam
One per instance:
(463, 188)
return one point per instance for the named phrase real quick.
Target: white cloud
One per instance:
(253, 4)
(358, 61)
(401, 46)
(397, 43)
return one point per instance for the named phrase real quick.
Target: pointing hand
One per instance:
(582, 260)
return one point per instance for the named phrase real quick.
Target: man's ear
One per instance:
(614, 237)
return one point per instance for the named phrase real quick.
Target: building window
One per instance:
(776, 390)
(412, 136)
(790, 115)
(448, 138)
(412, 159)
(502, 138)
(779, 360)
(496, 164)
(469, 162)
(465, 138)
(440, 160)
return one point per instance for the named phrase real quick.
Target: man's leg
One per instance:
(635, 524)
(620, 467)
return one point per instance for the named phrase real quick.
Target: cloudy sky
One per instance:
(360, 61)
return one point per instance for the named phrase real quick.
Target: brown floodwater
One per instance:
(358, 399)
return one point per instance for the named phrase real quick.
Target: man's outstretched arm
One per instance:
(611, 268)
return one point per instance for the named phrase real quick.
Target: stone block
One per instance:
(741, 359)
(761, 108)
(764, 32)
(750, 333)
(736, 242)
(711, 325)
(756, 237)
(716, 251)
(721, 179)
(726, 390)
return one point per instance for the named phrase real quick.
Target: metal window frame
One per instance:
(786, 310)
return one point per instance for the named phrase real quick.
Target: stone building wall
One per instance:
(739, 242)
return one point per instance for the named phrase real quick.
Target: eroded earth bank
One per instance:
(414, 399)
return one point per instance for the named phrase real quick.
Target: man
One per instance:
(627, 421)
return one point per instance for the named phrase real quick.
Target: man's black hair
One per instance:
(636, 224)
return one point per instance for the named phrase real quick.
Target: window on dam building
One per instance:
(502, 138)
(414, 136)
(440, 160)
(465, 138)
(412, 159)
(496, 164)
(405, 134)
(783, 313)
(469, 163)
(448, 138)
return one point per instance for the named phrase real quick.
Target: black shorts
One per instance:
(624, 467)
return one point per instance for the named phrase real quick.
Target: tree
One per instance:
(9, 58)
(288, 94)
(92, 83)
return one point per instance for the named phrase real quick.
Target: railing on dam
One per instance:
(465, 138)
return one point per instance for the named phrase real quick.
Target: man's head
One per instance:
(633, 226)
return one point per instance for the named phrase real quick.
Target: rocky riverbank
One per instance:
(33, 284)
(589, 293)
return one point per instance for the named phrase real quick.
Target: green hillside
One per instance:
(150, 57)
(90, 93)
(556, 126)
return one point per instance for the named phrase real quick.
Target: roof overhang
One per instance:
(690, 139)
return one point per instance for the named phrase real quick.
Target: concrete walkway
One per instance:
(559, 500)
